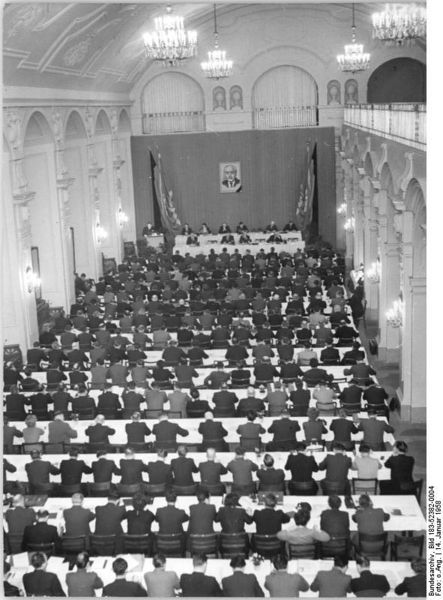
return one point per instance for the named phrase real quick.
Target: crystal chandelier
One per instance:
(170, 42)
(394, 316)
(217, 67)
(399, 24)
(354, 59)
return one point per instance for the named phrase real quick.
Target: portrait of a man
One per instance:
(230, 177)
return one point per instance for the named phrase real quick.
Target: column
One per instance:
(340, 184)
(414, 352)
(94, 194)
(349, 257)
(370, 248)
(63, 182)
(117, 163)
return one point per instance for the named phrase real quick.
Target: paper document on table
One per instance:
(55, 563)
(20, 560)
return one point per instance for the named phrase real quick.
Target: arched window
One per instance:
(284, 96)
(172, 102)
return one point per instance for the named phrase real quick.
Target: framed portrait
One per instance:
(230, 177)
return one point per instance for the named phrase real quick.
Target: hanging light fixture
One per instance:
(170, 42)
(217, 66)
(399, 24)
(354, 59)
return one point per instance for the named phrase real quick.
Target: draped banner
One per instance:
(163, 200)
(303, 214)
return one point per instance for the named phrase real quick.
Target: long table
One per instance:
(410, 519)
(254, 248)
(223, 457)
(255, 236)
(395, 572)
(191, 425)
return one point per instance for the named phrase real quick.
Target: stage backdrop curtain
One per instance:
(172, 102)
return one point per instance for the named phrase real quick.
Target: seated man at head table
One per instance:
(149, 229)
(121, 586)
(41, 582)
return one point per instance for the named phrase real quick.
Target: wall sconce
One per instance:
(374, 271)
(350, 225)
(341, 210)
(122, 217)
(100, 233)
(32, 280)
(394, 316)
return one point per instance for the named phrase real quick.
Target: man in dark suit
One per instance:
(99, 433)
(373, 430)
(352, 356)
(202, 515)
(285, 433)
(132, 469)
(242, 469)
(368, 584)
(38, 472)
(265, 372)
(240, 583)
(301, 466)
(269, 521)
(137, 430)
(224, 402)
(73, 468)
(40, 582)
(183, 468)
(109, 403)
(121, 586)
(159, 472)
(361, 373)
(18, 518)
(270, 478)
(343, 428)
(131, 400)
(213, 434)
(9, 433)
(40, 533)
(215, 379)
(414, 587)
(166, 433)
(250, 403)
(345, 334)
(104, 468)
(210, 472)
(333, 583)
(330, 355)
(334, 521)
(282, 584)
(337, 467)
(35, 355)
(77, 518)
(108, 519)
(315, 374)
(170, 518)
(350, 397)
(197, 583)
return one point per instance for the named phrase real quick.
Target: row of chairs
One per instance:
(227, 545)
(357, 486)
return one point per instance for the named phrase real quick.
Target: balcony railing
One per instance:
(285, 116)
(159, 123)
(402, 122)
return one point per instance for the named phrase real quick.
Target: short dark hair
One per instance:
(158, 560)
(334, 501)
(401, 446)
(38, 559)
(280, 562)
(171, 497)
(202, 495)
(119, 566)
(340, 561)
(300, 447)
(313, 362)
(270, 500)
(231, 499)
(364, 448)
(238, 562)
(251, 415)
(268, 460)
(364, 501)
(418, 565)
(199, 559)
(302, 517)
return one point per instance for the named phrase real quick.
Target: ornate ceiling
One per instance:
(99, 46)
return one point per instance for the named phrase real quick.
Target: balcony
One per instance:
(404, 123)
(173, 122)
(279, 117)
